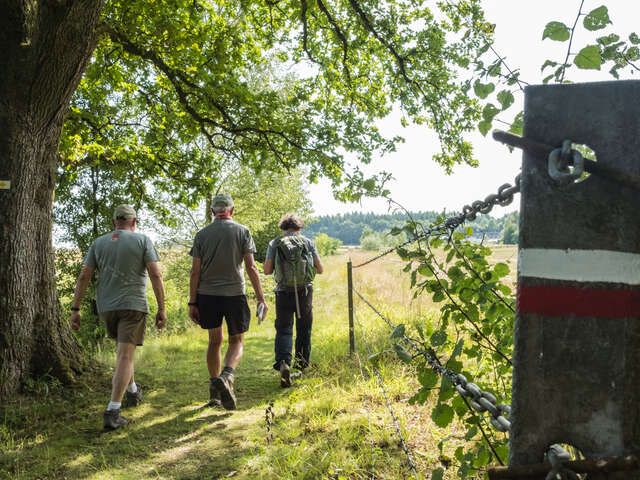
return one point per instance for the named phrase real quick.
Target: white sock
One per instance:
(114, 405)
(133, 388)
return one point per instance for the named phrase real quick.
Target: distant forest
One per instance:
(349, 227)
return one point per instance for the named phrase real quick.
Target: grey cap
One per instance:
(124, 211)
(222, 200)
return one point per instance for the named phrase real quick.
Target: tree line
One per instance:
(349, 228)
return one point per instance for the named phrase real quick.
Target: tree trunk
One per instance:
(44, 48)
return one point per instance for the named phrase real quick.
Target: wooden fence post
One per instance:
(577, 332)
(350, 297)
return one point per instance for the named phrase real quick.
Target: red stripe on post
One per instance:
(580, 301)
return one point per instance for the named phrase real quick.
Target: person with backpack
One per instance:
(294, 261)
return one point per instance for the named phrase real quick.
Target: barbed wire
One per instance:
(388, 402)
(503, 198)
(479, 400)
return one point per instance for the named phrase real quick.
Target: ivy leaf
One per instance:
(589, 58)
(402, 353)
(483, 90)
(442, 415)
(506, 99)
(597, 19)
(557, 31)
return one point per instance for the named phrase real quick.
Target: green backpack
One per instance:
(293, 265)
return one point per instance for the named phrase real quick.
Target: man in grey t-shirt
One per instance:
(122, 259)
(217, 291)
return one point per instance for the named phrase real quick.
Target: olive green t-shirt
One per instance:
(121, 259)
(221, 246)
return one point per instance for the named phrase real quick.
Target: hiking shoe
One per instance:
(214, 394)
(285, 375)
(132, 399)
(113, 420)
(224, 385)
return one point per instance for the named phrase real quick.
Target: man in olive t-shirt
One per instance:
(217, 291)
(122, 259)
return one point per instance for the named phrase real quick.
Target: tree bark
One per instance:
(44, 48)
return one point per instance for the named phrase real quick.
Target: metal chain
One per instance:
(479, 400)
(373, 452)
(386, 399)
(503, 198)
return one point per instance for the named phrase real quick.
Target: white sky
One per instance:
(420, 184)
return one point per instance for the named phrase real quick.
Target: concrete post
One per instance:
(577, 336)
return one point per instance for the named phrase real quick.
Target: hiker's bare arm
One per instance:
(254, 276)
(318, 264)
(194, 280)
(268, 266)
(81, 287)
(155, 275)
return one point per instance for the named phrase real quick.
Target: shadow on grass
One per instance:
(173, 430)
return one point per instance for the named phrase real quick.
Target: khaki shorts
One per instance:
(125, 326)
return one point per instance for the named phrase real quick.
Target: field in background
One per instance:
(333, 424)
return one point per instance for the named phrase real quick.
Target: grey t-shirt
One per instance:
(121, 259)
(221, 246)
(271, 252)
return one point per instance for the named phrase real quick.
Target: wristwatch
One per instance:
(75, 309)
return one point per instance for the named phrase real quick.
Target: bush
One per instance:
(327, 245)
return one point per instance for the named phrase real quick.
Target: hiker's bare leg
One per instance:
(234, 352)
(214, 351)
(123, 374)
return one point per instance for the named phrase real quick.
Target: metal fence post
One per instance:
(577, 331)
(350, 298)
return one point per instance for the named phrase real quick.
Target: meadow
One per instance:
(332, 424)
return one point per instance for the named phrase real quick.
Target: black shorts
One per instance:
(235, 310)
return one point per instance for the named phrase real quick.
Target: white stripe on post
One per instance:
(580, 265)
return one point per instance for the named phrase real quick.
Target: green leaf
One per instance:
(424, 270)
(438, 338)
(506, 99)
(597, 19)
(402, 353)
(398, 332)
(548, 63)
(484, 126)
(557, 31)
(589, 58)
(517, 124)
(501, 269)
(609, 39)
(442, 415)
(483, 90)
(428, 378)
(437, 474)
(420, 397)
(633, 54)
(634, 38)
(489, 111)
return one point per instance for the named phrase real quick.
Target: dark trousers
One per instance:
(285, 310)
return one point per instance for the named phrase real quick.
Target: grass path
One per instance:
(332, 424)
